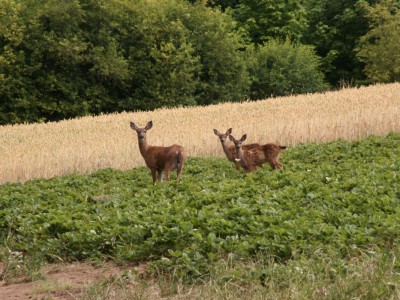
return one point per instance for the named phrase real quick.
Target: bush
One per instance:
(283, 68)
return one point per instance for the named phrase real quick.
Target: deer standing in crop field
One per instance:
(230, 150)
(251, 159)
(160, 159)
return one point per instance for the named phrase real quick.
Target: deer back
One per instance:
(248, 147)
(160, 158)
(252, 158)
(272, 151)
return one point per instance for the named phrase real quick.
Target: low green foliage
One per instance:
(281, 68)
(331, 200)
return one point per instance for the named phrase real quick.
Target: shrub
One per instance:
(283, 68)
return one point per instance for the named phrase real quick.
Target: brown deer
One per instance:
(230, 150)
(158, 158)
(255, 157)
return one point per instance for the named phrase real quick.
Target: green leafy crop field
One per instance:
(335, 199)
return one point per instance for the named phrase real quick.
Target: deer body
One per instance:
(252, 158)
(160, 159)
(230, 150)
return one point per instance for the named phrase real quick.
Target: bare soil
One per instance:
(67, 281)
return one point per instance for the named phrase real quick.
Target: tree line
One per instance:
(65, 59)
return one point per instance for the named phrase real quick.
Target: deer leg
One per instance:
(237, 164)
(154, 174)
(276, 165)
(272, 164)
(167, 171)
(279, 165)
(179, 170)
(159, 175)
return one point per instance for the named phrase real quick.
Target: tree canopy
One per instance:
(73, 58)
(380, 47)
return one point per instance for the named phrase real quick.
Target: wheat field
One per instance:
(83, 145)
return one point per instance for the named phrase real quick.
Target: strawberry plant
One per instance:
(334, 198)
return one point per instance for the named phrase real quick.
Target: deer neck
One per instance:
(228, 150)
(143, 146)
(240, 156)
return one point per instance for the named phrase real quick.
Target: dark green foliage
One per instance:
(330, 200)
(379, 49)
(81, 57)
(223, 4)
(334, 29)
(269, 19)
(88, 57)
(283, 68)
(221, 49)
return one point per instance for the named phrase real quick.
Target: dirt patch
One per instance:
(62, 281)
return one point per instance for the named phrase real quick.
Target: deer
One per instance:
(252, 158)
(160, 159)
(230, 150)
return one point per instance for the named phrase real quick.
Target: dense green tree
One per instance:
(212, 49)
(222, 52)
(379, 49)
(41, 84)
(13, 92)
(283, 68)
(223, 4)
(72, 58)
(161, 61)
(268, 19)
(334, 29)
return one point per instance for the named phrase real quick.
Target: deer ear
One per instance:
(149, 125)
(133, 126)
(229, 131)
(243, 137)
(232, 138)
(216, 132)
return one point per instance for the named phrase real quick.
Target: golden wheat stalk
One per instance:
(86, 144)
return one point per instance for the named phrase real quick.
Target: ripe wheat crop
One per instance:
(86, 144)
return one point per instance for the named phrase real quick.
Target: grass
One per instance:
(18, 268)
(370, 275)
(91, 143)
(51, 286)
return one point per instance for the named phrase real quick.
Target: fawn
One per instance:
(159, 158)
(255, 157)
(230, 150)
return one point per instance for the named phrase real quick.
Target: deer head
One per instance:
(245, 157)
(238, 143)
(141, 132)
(223, 136)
